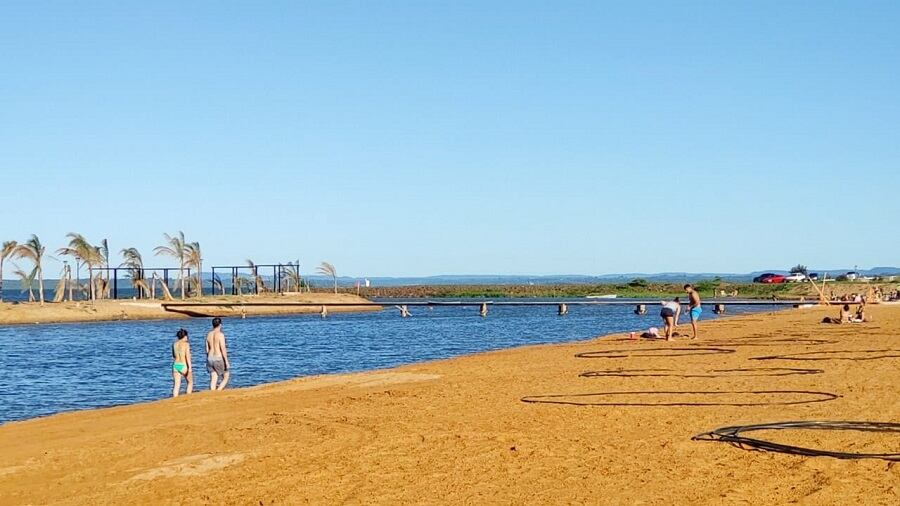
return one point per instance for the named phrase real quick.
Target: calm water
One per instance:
(60, 367)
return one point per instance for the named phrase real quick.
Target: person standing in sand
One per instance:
(670, 312)
(696, 309)
(181, 363)
(217, 356)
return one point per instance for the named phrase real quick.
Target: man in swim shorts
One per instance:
(696, 309)
(217, 356)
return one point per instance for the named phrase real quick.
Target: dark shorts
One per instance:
(666, 312)
(216, 365)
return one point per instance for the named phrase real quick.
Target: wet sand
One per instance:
(455, 431)
(128, 309)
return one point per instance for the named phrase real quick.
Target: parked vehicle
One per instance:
(798, 277)
(852, 276)
(814, 276)
(769, 278)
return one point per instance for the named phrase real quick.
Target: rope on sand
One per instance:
(732, 435)
(867, 355)
(560, 398)
(710, 373)
(653, 352)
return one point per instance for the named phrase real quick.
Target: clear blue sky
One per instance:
(416, 138)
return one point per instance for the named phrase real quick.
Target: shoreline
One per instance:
(31, 313)
(456, 429)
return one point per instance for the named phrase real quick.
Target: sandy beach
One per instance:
(127, 309)
(457, 432)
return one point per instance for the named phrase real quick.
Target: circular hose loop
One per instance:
(830, 355)
(709, 373)
(598, 398)
(732, 435)
(766, 342)
(654, 352)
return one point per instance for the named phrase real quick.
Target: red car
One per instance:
(769, 278)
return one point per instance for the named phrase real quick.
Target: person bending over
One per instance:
(669, 313)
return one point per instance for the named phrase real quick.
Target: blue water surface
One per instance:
(50, 368)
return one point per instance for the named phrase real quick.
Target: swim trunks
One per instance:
(216, 365)
(696, 312)
(667, 311)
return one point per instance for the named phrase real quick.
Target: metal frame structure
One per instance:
(278, 273)
(114, 278)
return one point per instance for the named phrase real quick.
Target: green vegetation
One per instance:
(638, 288)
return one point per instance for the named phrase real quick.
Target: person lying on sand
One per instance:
(669, 313)
(181, 363)
(652, 333)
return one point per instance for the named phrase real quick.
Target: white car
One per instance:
(795, 278)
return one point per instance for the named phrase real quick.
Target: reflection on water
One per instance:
(60, 367)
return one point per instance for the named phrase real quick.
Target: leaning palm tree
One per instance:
(254, 275)
(175, 248)
(327, 269)
(60, 293)
(33, 250)
(26, 281)
(193, 258)
(85, 254)
(135, 265)
(5, 251)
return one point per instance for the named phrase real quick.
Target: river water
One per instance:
(50, 368)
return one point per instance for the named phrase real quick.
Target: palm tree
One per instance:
(26, 281)
(257, 279)
(327, 269)
(60, 293)
(33, 250)
(103, 253)
(193, 258)
(292, 274)
(5, 251)
(84, 253)
(175, 249)
(135, 265)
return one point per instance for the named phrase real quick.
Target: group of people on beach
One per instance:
(845, 316)
(671, 313)
(216, 360)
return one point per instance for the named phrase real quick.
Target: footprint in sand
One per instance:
(192, 465)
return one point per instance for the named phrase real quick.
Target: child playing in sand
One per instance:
(181, 363)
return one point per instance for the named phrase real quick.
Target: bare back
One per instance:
(215, 344)
(180, 351)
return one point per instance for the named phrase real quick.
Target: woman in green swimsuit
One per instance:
(181, 363)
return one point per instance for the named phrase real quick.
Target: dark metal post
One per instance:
(115, 283)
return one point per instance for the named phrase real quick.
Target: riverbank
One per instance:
(635, 289)
(113, 310)
(455, 431)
